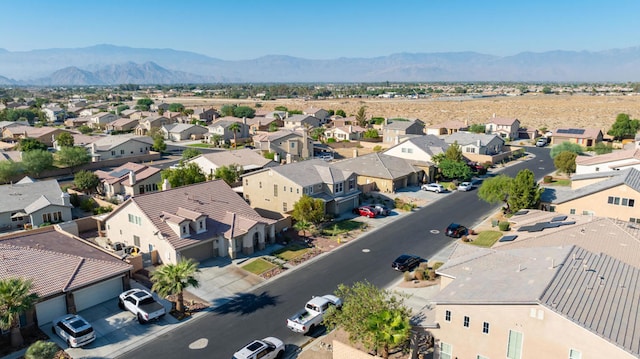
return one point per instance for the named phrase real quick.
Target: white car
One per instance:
(267, 348)
(433, 187)
(541, 142)
(465, 186)
(74, 330)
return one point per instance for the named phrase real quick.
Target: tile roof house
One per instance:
(285, 144)
(54, 113)
(319, 113)
(301, 121)
(130, 179)
(345, 133)
(587, 137)
(45, 135)
(207, 115)
(220, 127)
(147, 124)
(277, 189)
(183, 131)
(263, 124)
(614, 161)
(123, 124)
(198, 221)
(394, 129)
(249, 160)
(119, 146)
(420, 150)
(69, 274)
(33, 203)
(476, 143)
(101, 119)
(503, 127)
(447, 128)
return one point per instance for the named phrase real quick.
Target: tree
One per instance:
(602, 148)
(495, 190)
(85, 130)
(367, 311)
(9, 170)
(176, 107)
(308, 209)
(235, 128)
(624, 127)
(547, 90)
(15, 298)
(455, 170)
(144, 104)
(454, 152)
(524, 192)
(244, 111)
(31, 144)
(341, 113)
(317, 133)
(65, 139)
(227, 110)
(477, 128)
(158, 141)
(73, 156)
(183, 175)
(565, 162)
(371, 133)
(41, 350)
(565, 146)
(86, 181)
(230, 174)
(36, 161)
(273, 127)
(173, 279)
(361, 117)
(190, 152)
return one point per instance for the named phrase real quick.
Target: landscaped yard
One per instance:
(559, 182)
(487, 238)
(341, 227)
(291, 251)
(204, 145)
(258, 266)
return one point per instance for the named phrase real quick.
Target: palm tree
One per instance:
(173, 279)
(389, 328)
(235, 128)
(15, 299)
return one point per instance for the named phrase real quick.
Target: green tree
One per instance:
(371, 133)
(273, 127)
(173, 279)
(230, 174)
(86, 181)
(9, 170)
(190, 152)
(144, 104)
(183, 175)
(455, 170)
(361, 117)
(16, 298)
(454, 152)
(73, 157)
(602, 148)
(121, 108)
(565, 162)
(31, 144)
(341, 113)
(624, 127)
(565, 146)
(308, 209)
(235, 128)
(317, 134)
(496, 190)
(303, 226)
(158, 141)
(85, 130)
(227, 110)
(281, 108)
(364, 316)
(547, 90)
(477, 128)
(41, 350)
(524, 192)
(244, 111)
(65, 139)
(36, 161)
(176, 107)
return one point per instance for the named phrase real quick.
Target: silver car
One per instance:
(433, 187)
(465, 186)
(74, 330)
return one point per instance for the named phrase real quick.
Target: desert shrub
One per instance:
(431, 274)
(547, 179)
(419, 274)
(331, 140)
(503, 225)
(437, 265)
(407, 276)
(41, 350)
(102, 209)
(377, 148)
(423, 265)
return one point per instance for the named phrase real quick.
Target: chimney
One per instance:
(166, 185)
(94, 148)
(305, 145)
(132, 178)
(244, 120)
(66, 199)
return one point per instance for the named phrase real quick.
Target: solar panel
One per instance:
(507, 238)
(576, 131)
(562, 130)
(521, 212)
(558, 218)
(119, 173)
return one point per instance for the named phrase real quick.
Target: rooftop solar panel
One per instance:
(558, 218)
(507, 238)
(119, 173)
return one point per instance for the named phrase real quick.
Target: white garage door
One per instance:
(51, 309)
(97, 293)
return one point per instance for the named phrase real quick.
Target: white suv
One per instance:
(74, 330)
(267, 348)
(433, 187)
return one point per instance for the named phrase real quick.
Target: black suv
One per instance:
(456, 230)
(405, 262)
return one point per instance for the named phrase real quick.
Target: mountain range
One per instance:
(111, 65)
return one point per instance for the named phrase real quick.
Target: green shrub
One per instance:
(41, 350)
(504, 225)
(331, 140)
(407, 276)
(87, 204)
(75, 200)
(437, 265)
(547, 179)
(102, 209)
(270, 155)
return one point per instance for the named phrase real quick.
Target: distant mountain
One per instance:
(6, 81)
(108, 64)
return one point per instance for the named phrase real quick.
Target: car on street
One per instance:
(456, 230)
(381, 209)
(74, 330)
(367, 211)
(465, 186)
(541, 142)
(267, 348)
(433, 187)
(405, 262)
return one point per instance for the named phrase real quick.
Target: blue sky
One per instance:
(326, 29)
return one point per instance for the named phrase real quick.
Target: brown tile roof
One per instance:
(588, 133)
(121, 174)
(631, 154)
(453, 124)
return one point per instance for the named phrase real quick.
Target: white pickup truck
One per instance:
(312, 314)
(142, 304)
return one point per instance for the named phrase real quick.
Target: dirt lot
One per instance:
(533, 110)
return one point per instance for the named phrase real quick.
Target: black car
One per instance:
(456, 230)
(382, 209)
(405, 262)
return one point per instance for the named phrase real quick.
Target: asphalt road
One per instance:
(263, 311)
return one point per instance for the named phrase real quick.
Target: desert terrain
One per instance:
(533, 110)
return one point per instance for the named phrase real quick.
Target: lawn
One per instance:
(341, 227)
(258, 266)
(291, 251)
(204, 145)
(487, 238)
(560, 182)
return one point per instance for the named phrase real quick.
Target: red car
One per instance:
(367, 211)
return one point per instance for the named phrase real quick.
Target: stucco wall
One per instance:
(597, 203)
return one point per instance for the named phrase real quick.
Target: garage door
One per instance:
(199, 253)
(97, 293)
(51, 309)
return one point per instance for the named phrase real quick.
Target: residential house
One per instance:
(504, 127)
(384, 173)
(33, 203)
(319, 113)
(76, 122)
(285, 144)
(198, 221)
(129, 113)
(344, 121)
(395, 129)
(207, 115)
(45, 135)
(139, 115)
(587, 137)
(421, 150)
(476, 143)
(220, 129)
(183, 131)
(68, 274)
(159, 106)
(88, 112)
(123, 124)
(54, 113)
(130, 179)
(150, 123)
(614, 161)
(447, 128)
(5, 124)
(277, 189)
(301, 122)
(263, 124)
(119, 146)
(345, 133)
(249, 160)
(101, 119)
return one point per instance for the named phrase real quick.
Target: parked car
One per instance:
(405, 262)
(142, 304)
(542, 141)
(381, 209)
(465, 186)
(433, 187)
(367, 211)
(74, 330)
(456, 230)
(312, 313)
(267, 348)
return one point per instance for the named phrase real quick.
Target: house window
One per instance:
(404, 150)
(352, 184)
(514, 345)
(338, 187)
(113, 153)
(135, 219)
(597, 169)
(246, 182)
(55, 217)
(485, 328)
(634, 220)
(284, 206)
(122, 152)
(625, 201)
(184, 229)
(284, 188)
(275, 190)
(409, 150)
(447, 315)
(610, 200)
(136, 241)
(293, 145)
(572, 211)
(445, 350)
(15, 219)
(616, 200)
(200, 223)
(631, 202)
(574, 354)
(260, 184)
(465, 322)
(297, 190)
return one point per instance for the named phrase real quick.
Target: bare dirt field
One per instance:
(533, 110)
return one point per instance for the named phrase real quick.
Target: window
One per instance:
(445, 350)
(284, 188)
(514, 346)
(625, 201)
(297, 190)
(572, 211)
(136, 241)
(275, 190)
(447, 315)
(284, 206)
(352, 184)
(610, 200)
(259, 184)
(574, 354)
(246, 182)
(404, 150)
(135, 219)
(122, 152)
(634, 220)
(113, 153)
(338, 187)
(466, 322)
(631, 202)
(616, 200)
(485, 328)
